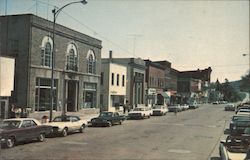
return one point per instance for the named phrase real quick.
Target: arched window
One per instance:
(46, 51)
(72, 58)
(91, 62)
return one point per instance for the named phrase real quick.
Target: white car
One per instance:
(232, 148)
(243, 112)
(140, 112)
(65, 124)
(159, 110)
(185, 107)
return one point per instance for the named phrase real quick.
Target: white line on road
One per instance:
(72, 142)
(179, 151)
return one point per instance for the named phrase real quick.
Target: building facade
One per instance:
(135, 87)
(193, 85)
(156, 82)
(77, 62)
(113, 85)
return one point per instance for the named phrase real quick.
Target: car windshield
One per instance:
(10, 124)
(157, 107)
(105, 114)
(139, 109)
(62, 119)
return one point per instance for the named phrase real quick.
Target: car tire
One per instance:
(41, 137)
(82, 128)
(64, 132)
(120, 122)
(10, 142)
(109, 124)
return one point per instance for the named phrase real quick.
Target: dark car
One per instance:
(16, 130)
(238, 124)
(107, 119)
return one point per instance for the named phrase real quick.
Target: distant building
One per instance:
(28, 39)
(156, 82)
(193, 85)
(113, 85)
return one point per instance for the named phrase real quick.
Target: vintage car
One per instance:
(64, 124)
(107, 119)
(229, 107)
(16, 130)
(233, 148)
(159, 110)
(237, 127)
(236, 118)
(243, 111)
(193, 105)
(175, 108)
(140, 113)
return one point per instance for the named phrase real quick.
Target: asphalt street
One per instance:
(189, 135)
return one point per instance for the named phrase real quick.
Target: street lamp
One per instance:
(55, 14)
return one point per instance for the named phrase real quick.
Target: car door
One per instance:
(26, 130)
(74, 123)
(116, 117)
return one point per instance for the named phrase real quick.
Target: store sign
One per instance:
(151, 91)
(139, 79)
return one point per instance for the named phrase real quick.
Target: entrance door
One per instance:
(72, 98)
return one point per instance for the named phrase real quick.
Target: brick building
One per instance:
(28, 39)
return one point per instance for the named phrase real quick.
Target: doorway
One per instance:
(72, 96)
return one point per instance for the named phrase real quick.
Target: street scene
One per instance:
(124, 79)
(190, 134)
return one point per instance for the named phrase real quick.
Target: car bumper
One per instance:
(99, 124)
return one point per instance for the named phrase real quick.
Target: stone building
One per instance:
(28, 39)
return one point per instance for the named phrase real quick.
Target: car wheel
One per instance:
(82, 128)
(41, 137)
(109, 124)
(120, 122)
(64, 132)
(10, 142)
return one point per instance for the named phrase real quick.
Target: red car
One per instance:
(16, 130)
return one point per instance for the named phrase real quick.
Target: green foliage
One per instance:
(245, 83)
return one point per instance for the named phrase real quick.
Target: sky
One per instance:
(190, 34)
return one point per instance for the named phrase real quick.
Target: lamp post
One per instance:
(245, 54)
(55, 14)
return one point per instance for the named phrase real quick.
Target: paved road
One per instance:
(191, 135)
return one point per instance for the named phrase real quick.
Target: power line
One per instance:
(92, 30)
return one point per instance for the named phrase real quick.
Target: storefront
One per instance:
(89, 95)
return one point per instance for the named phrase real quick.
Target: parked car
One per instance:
(239, 126)
(140, 113)
(107, 119)
(236, 118)
(230, 107)
(193, 105)
(233, 148)
(16, 130)
(184, 107)
(159, 110)
(175, 108)
(64, 124)
(216, 102)
(243, 112)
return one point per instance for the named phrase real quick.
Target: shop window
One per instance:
(42, 97)
(123, 80)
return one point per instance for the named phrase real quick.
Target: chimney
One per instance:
(110, 56)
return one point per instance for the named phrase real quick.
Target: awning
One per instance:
(165, 95)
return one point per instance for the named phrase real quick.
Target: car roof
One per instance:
(18, 119)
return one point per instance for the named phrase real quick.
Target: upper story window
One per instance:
(91, 62)
(72, 58)
(112, 79)
(117, 79)
(46, 51)
(123, 80)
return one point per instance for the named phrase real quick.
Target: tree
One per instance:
(245, 83)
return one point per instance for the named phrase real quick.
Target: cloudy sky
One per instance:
(189, 34)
